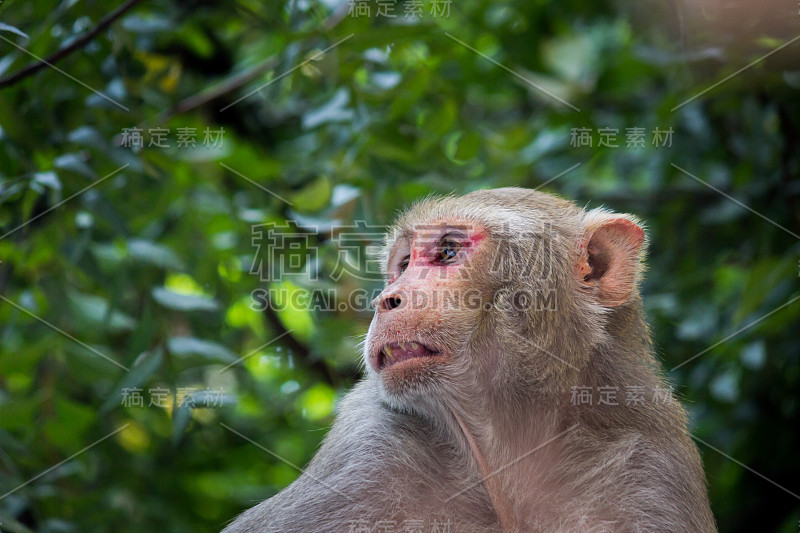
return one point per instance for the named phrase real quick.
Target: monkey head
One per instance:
(502, 289)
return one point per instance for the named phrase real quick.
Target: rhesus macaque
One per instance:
(510, 386)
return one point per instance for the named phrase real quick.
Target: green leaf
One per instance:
(183, 302)
(12, 29)
(95, 309)
(74, 163)
(335, 110)
(318, 401)
(291, 304)
(155, 254)
(188, 346)
(67, 430)
(142, 369)
(47, 179)
(314, 196)
(461, 146)
(145, 24)
(180, 421)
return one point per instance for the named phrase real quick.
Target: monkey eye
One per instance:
(403, 265)
(447, 250)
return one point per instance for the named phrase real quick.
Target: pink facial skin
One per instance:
(424, 248)
(436, 262)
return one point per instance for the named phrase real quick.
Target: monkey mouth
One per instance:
(397, 352)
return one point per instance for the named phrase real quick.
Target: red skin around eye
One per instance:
(426, 255)
(475, 238)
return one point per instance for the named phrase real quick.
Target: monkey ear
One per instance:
(608, 262)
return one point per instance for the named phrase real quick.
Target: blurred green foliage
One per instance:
(331, 116)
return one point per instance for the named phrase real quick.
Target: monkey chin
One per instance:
(411, 373)
(407, 380)
(406, 386)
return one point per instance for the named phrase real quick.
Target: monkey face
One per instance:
(490, 288)
(426, 315)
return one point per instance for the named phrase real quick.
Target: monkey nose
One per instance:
(387, 302)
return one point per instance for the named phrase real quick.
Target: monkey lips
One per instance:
(395, 353)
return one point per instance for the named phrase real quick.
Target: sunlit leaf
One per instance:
(153, 253)
(183, 302)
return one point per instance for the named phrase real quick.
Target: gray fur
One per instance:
(503, 405)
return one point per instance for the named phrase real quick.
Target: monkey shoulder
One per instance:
(376, 464)
(639, 480)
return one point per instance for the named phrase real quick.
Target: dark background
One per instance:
(330, 117)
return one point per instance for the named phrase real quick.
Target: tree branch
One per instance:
(78, 43)
(192, 102)
(316, 365)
